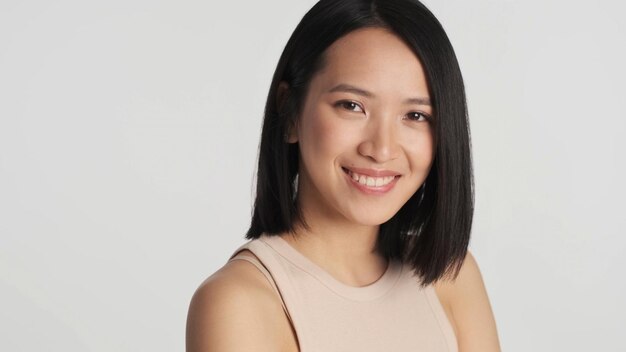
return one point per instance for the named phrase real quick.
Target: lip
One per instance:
(372, 190)
(372, 172)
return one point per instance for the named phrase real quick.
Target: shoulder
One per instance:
(472, 317)
(235, 301)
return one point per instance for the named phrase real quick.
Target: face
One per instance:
(365, 133)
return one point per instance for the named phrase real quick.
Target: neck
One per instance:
(347, 251)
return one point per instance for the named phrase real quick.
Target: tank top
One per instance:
(392, 314)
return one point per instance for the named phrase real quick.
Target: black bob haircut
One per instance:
(431, 231)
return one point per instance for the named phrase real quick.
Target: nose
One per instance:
(381, 141)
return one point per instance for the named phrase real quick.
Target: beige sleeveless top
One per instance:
(392, 314)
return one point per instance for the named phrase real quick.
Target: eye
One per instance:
(349, 105)
(418, 116)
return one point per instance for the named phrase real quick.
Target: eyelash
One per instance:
(345, 103)
(426, 117)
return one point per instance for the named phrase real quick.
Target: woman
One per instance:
(364, 201)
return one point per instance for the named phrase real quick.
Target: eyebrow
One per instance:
(359, 91)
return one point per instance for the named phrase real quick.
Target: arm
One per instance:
(472, 317)
(230, 312)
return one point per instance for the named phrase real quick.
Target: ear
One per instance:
(282, 94)
(292, 135)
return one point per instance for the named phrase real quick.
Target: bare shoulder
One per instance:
(466, 299)
(235, 302)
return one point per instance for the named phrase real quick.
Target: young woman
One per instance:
(364, 200)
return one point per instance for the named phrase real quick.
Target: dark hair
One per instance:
(432, 229)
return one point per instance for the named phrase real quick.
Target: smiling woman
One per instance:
(375, 136)
(364, 202)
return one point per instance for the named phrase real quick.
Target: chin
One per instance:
(372, 220)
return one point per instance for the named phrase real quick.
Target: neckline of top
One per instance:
(363, 293)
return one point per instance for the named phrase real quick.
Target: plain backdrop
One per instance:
(128, 143)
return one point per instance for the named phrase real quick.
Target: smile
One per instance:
(369, 184)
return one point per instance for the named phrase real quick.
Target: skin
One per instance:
(345, 128)
(348, 129)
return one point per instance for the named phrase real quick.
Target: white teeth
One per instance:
(371, 181)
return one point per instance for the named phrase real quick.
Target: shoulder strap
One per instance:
(268, 262)
(255, 261)
(259, 265)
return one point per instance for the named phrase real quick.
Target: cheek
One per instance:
(422, 150)
(322, 133)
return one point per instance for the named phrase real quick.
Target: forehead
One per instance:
(374, 57)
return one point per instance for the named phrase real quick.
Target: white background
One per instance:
(128, 141)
